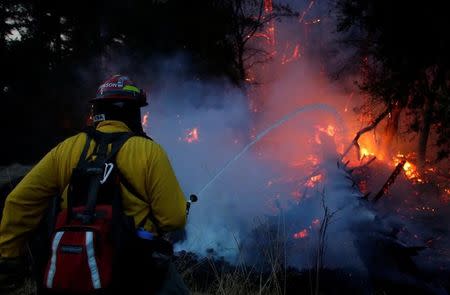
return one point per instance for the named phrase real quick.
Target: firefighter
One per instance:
(143, 163)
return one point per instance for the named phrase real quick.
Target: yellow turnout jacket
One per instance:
(141, 161)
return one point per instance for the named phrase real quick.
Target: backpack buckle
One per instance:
(108, 169)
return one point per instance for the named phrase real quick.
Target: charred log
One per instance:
(390, 181)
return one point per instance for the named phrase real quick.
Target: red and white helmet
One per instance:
(120, 88)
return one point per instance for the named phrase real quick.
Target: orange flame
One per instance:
(330, 130)
(295, 55)
(364, 152)
(301, 234)
(268, 9)
(192, 136)
(145, 120)
(410, 169)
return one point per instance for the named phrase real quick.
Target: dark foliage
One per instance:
(403, 50)
(54, 54)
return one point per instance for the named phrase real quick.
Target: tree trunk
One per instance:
(391, 129)
(425, 130)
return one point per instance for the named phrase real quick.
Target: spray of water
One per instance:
(311, 107)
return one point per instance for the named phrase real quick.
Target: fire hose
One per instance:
(324, 107)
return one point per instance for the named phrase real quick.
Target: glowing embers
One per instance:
(294, 56)
(426, 209)
(314, 180)
(192, 135)
(313, 22)
(446, 195)
(304, 233)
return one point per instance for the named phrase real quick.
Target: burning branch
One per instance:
(390, 181)
(302, 17)
(250, 19)
(365, 130)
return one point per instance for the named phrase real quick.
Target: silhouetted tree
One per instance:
(403, 48)
(54, 53)
(248, 17)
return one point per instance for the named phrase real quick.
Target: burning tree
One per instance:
(250, 18)
(403, 49)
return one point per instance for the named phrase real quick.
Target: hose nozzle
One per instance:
(192, 199)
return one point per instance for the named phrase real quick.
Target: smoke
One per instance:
(267, 199)
(286, 186)
(269, 179)
(220, 113)
(262, 184)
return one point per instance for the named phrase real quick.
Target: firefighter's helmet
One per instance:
(120, 88)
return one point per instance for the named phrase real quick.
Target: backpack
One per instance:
(92, 236)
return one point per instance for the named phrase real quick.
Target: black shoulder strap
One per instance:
(117, 140)
(97, 166)
(104, 160)
(82, 159)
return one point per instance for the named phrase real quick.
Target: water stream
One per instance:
(311, 107)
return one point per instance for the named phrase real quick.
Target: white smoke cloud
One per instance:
(224, 210)
(238, 202)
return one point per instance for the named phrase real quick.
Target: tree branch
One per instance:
(365, 130)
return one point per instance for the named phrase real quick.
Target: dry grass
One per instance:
(27, 288)
(222, 278)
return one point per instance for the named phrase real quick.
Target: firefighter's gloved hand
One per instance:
(12, 273)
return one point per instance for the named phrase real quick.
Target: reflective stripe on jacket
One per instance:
(142, 162)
